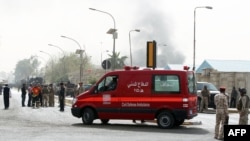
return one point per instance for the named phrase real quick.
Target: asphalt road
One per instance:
(25, 123)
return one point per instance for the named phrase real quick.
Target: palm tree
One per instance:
(120, 62)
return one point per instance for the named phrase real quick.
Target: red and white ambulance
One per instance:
(167, 96)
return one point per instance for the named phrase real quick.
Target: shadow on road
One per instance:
(183, 129)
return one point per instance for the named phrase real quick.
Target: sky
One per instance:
(28, 26)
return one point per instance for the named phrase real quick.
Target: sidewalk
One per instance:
(212, 111)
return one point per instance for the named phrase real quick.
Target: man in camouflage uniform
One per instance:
(205, 93)
(51, 96)
(221, 104)
(45, 94)
(244, 108)
(80, 89)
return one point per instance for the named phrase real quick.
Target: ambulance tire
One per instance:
(88, 116)
(105, 121)
(165, 120)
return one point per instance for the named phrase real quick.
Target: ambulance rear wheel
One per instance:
(88, 116)
(105, 121)
(165, 120)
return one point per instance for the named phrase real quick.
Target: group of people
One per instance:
(222, 116)
(222, 104)
(205, 93)
(38, 95)
(43, 95)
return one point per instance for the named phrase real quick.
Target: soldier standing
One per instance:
(243, 107)
(62, 96)
(221, 104)
(51, 96)
(80, 89)
(45, 94)
(205, 97)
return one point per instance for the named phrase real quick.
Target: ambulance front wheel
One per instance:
(88, 116)
(165, 120)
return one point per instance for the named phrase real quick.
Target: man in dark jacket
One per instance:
(62, 96)
(24, 92)
(234, 95)
(6, 95)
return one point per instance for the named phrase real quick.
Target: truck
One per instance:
(165, 96)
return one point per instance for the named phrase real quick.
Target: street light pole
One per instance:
(137, 30)
(58, 48)
(79, 51)
(64, 70)
(52, 64)
(207, 7)
(111, 31)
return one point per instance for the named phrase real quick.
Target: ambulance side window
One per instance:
(107, 84)
(166, 84)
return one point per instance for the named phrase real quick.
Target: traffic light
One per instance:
(151, 54)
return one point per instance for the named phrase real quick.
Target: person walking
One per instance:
(62, 96)
(51, 96)
(24, 92)
(6, 96)
(205, 93)
(80, 89)
(243, 107)
(234, 95)
(221, 104)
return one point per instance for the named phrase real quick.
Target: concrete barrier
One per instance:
(68, 100)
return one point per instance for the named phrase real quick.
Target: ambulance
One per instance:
(167, 97)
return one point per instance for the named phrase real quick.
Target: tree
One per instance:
(120, 62)
(26, 68)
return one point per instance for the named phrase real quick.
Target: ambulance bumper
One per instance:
(76, 112)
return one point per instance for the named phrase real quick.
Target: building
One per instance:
(226, 73)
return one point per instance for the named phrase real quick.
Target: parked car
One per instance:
(213, 91)
(87, 86)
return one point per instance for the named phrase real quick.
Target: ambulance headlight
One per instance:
(74, 101)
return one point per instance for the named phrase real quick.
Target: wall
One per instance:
(226, 79)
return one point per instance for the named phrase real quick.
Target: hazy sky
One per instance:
(28, 26)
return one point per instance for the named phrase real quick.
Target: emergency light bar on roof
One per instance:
(145, 68)
(131, 68)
